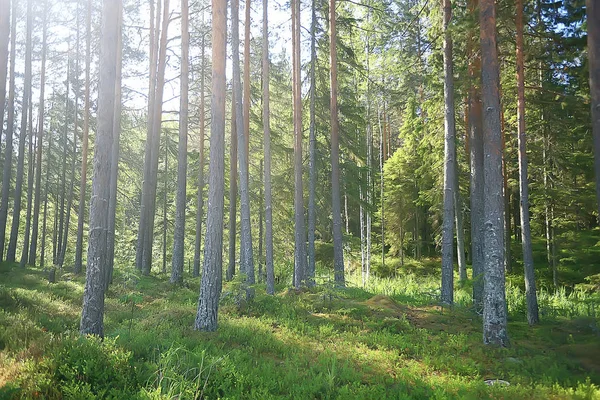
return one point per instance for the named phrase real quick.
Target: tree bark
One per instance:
(246, 256)
(4, 39)
(233, 150)
(84, 144)
(114, 168)
(208, 302)
(200, 194)
(30, 174)
(299, 233)
(267, 153)
(460, 230)
(46, 190)
(530, 287)
(9, 132)
(63, 175)
(476, 165)
(593, 25)
(494, 303)
(338, 252)
(312, 152)
(165, 176)
(40, 136)
(177, 271)
(14, 231)
(246, 101)
(447, 290)
(93, 296)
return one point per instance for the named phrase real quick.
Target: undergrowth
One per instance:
(390, 339)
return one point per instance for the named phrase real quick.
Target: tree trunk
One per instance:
(267, 154)
(114, 169)
(40, 136)
(593, 25)
(208, 302)
(154, 39)
(200, 195)
(312, 152)
(506, 197)
(449, 164)
(246, 101)
(178, 246)
(84, 144)
(338, 252)
(530, 287)
(494, 304)
(9, 133)
(165, 175)
(299, 233)
(93, 296)
(233, 150)
(4, 39)
(246, 256)
(260, 229)
(30, 173)
(476, 164)
(63, 175)
(45, 218)
(14, 231)
(460, 230)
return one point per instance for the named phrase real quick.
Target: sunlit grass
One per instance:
(390, 339)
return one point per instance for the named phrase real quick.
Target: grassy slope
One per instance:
(318, 344)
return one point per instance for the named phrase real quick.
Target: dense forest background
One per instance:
(137, 142)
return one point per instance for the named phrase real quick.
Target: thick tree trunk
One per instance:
(246, 256)
(476, 165)
(299, 233)
(93, 296)
(9, 133)
(114, 169)
(208, 302)
(40, 136)
(593, 25)
(246, 102)
(84, 144)
(312, 152)
(447, 290)
(530, 287)
(200, 194)
(233, 150)
(267, 153)
(338, 252)
(178, 245)
(14, 231)
(494, 302)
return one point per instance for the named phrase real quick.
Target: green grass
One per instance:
(388, 340)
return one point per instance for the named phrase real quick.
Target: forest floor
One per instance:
(323, 343)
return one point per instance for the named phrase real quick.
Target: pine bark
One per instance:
(476, 166)
(210, 289)
(312, 151)
(593, 25)
(14, 231)
(93, 296)
(40, 136)
(84, 143)
(30, 175)
(246, 256)
(114, 168)
(4, 39)
(9, 133)
(233, 190)
(246, 101)
(267, 153)
(447, 292)
(178, 245)
(530, 286)
(494, 302)
(338, 251)
(200, 194)
(299, 233)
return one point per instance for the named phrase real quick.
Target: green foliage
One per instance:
(388, 340)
